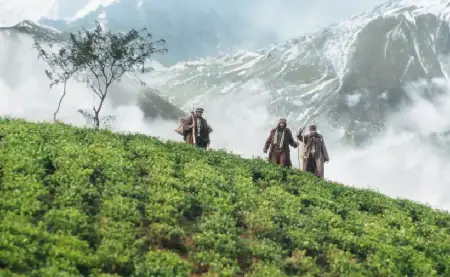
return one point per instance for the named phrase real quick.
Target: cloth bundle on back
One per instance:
(195, 129)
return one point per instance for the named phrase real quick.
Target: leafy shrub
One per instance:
(79, 202)
(162, 263)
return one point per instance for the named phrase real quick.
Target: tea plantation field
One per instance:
(78, 202)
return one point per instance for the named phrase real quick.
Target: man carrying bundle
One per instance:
(278, 141)
(315, 152)
(195, 129)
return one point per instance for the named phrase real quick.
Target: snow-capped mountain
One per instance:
(32, 29)
(352, 73)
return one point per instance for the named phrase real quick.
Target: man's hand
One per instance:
(264, 150)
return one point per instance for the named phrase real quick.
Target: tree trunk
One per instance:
(97, 111)
(96, 120)
(60, 101)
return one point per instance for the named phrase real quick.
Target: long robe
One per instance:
(316, 160)
(278, 145)
(201, 129)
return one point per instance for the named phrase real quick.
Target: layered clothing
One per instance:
(315, 153)
(278, 143)
(198, 134)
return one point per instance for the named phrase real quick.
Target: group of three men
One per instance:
(195, 130)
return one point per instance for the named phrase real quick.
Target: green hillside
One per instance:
(78, 202)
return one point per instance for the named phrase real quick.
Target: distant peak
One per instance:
(26, 23)
(33, 25)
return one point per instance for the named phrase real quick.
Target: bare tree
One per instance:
(62, 68)
(99, 58)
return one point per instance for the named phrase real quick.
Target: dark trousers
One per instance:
(201, 143)
(311, 164)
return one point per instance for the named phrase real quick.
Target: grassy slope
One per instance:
(84, 203)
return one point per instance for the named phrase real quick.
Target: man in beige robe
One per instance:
(315, 152)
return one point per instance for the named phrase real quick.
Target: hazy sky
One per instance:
(293, 17)
(287, 18)
(268, 13)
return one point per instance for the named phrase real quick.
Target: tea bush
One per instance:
(79, 202)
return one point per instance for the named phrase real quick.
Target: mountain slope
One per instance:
(350, 74)
(27, 27)
(93, 203)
